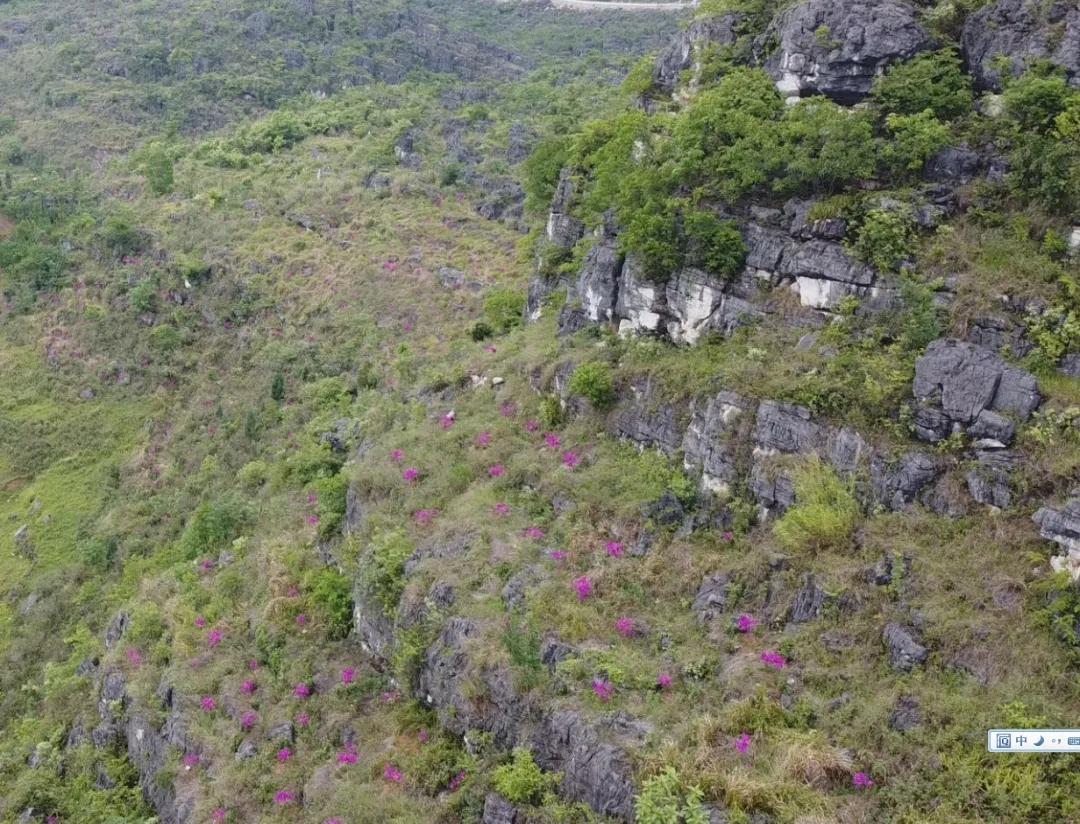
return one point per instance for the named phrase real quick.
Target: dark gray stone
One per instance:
(957, 165)
(497, 810)
(686, 49)
(246, 751)
(647, 421)
(711, 598)
(553, 652)
(117, 628)
(773, 490)
(517, 588)
(1061, 525)
(710, 445)
(897, 488)
(905, 653)
(666, 510)
(785, 428)
(282, 732)
(906, 715)
(808, 603)
(598, 280)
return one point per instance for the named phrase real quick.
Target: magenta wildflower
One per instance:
(313, 520)
(334, 821)
(219, 814)
(571, 460)
(535, 532)
(397, 456)
(558, 555)
(425, 516)
(614, 549)
(312, 499)
(626, 627)
(746, 623)
(532, 426)
(743, 744)
(392, 773)
(862, 781)
(134, 657)
(301, 619)
(508, 409)
(213, 638)
(284, 797)
(294, 591)
(390, 696)
(207, 565)
(483, 440)
(253, 665)
(773, 659)
(729, 537)
(248, 687)
(302, 690)
(502, 509)
(552, 441)
(208, 703)
(604, 689)
(200, 622)
(447, 420)
(348, 755)
(284, 754)
(423, 736)
(664, 681)
(490, 348)
(456, 782)
(348, 675)
(411, 474)
(497, 471)
(303, 719)
(583, 586)
(190, 760)
(247, 721)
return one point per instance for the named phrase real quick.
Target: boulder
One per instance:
(905, 653)
(563, 229)
(838, 49)
(956, 165)
(1023, 32)
(824, 273)
(595, 772)
(898, 487)
(711, 598)
(598, 280)
(808, 603)
(785, 428)
(647, 421)
(710, 445)
(1062, 526)
(117, 628)
(686, 48)
(640, 304)
(497, 810)
(846, 450)
(906, 715)
(692, 298)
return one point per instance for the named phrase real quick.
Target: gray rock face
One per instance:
(598, 280)
(595, 772)
(774, 491)
(898, 487)
(447, 684)
(957, 165)
(563, 229)
(685, 50)
(371, 624)
(354, 511)
(905, 653)
(956, 381)
(846, 450)
(117, 628)
(149, 752)
(497, 810)
(1061, 525)
(647, 421)
(710, 445)
(989, 482)
(785, 428)
(711, 599)
(517, 588)
(808, 603)
(837, 49)
(553, 652)
(906, 715)
(1024, 32)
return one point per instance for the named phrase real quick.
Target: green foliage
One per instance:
(120, 238)
(383, 571)
(915, 139)
(143, 298)
(523, 645)
(522, 781)
(504, 309)
(933, 81)
(824, 514)
(552, 414)
(253, 474)
(155, 162)
(331, 592)
(540, 172)
(825, 147)
(594, 382)
(885, 239)
(212, 527)
(665, 799)
(1035, 101)
(277, 387)
(481, 331)
(1054, 332)
(715, 245)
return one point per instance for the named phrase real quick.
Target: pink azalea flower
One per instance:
(301, 619)
(303, 719)
(425, 516)
(392, 773)
(247, 721)
(508, 409)
(552, 441)
(625, 627)
(497, 471)
(397, 456)
(743, 744)
(200, 622)
(456, 782)
(532, 426)
(208, 703)
(862, 781)
(253, 665)
(664, 681)
(348, 755)
(571, 460)
(213, 638)
(410, 474)
(423, 736)
(134, 657)
(535, 532)
(284, 797)
(583, 586)
(728, 537)
(391, 696)
(773, 659)
(557, 555)
(313, 520)
(614, 549)
(284, 754)
(348, 675)
(248, 687)
(502, 509)
(219, 814)
(302, 691)
(603, 689)
(447, 420)
(190, 760)
(483, 440)
(746, 623)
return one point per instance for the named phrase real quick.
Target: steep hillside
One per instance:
(484, 412)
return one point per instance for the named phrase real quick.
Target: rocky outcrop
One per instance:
(711, 444)
(647, 421)
(905, 653)
(838, 49)
(1018, 33)
(686, 49)
(497, 810)
(598, 280)
(898, 486)
(564, 230)
(595, 771)
(711, 599)
(808, 603)
(1062, 526)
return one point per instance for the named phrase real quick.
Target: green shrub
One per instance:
(914, 140)
(211, 527)
(120, 238)
(540, 172)
(383, 572)
(504, 309)
(665, 799)
(594, 382)
(253, 474)
(824, 514)
(522, 781)
(930, 81)
(277, 387)
(715, 245)
(1035, 101)
(885, 239)
(332, 594)
(143, 298)
(481, 331)
(155, 162)
(551, 411)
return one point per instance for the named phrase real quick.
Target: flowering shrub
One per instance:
(862, 781)
(283, 797)
(746, 623)
(423, 517)
(535, 532)
(571, 460)
(664, 681)
(583, 587)
(773, 659)
(208, 703)
(625, 627)
(213, 638)
(483, 440)
(392, 773)
(284, 754)
(348, 675)
(247, 721)
(248, 687)
(603, 689)
(501, 509)
(497, 471)
(411, 474)
(552, 441)
(348, 756)
(743, 744)
(614, 549)
(397, 456)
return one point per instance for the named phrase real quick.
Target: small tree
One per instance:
(594, 382)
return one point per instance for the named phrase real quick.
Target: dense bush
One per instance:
(504, 309)
(934, 82)
(594, 382)
(332, 594)
(522, 781)
(212, 526)
(885, 239)
(665, 799)
(824, 514)
(383, 572)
